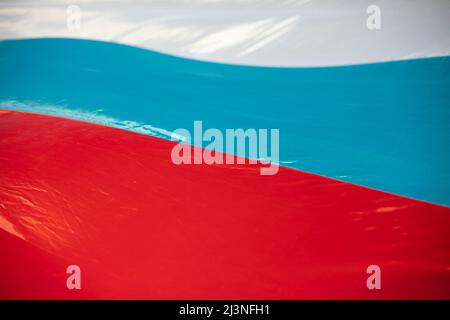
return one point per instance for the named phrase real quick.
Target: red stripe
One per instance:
(112, 202)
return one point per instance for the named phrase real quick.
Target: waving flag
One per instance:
(346, 102)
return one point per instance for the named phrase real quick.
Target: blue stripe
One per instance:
(385, 125)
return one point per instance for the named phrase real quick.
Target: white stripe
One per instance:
(254, 32)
